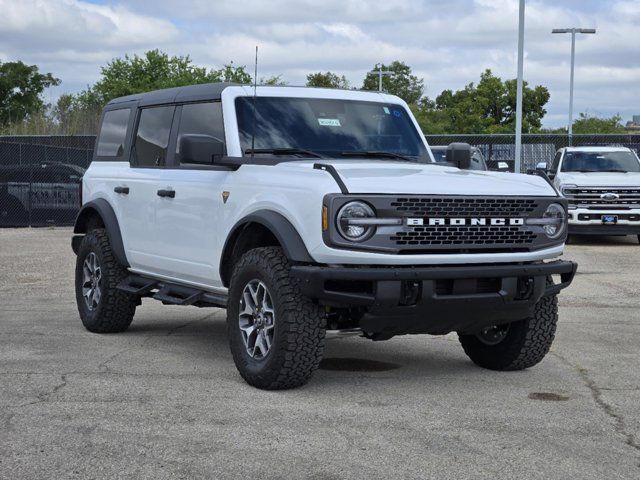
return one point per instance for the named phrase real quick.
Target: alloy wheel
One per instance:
(257, 319)
(91, 281)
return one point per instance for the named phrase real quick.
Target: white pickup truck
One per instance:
(602, 185)
(301, 210)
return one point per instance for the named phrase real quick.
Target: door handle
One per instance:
(167, 193)
(122, 190)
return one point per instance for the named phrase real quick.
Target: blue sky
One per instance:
(448, 43)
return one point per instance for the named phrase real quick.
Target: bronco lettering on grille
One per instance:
(412, 222)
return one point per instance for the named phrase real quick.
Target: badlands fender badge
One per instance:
(225, 196)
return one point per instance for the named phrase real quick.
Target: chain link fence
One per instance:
(536, 148)
(40, 176)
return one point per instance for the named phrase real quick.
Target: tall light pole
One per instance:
(518, 159)
(573, 32)
(379, 72)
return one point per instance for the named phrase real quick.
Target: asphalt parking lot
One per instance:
(164, 400)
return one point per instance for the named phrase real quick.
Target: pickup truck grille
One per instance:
(598, 198)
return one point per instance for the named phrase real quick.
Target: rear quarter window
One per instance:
(113, 133)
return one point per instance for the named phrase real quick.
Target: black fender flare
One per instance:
(281, 228)
(104, 210)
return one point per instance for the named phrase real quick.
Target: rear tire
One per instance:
(265, 305)
(523, 344)
(102, 307)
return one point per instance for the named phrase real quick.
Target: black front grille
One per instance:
(465, 207)
(470, 236)
(463, 235)
(450, 224)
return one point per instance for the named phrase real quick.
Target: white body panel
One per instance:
(181, 239)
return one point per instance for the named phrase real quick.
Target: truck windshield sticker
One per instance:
(329, 122)
(386, 110)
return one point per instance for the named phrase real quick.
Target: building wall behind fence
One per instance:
(39, 175)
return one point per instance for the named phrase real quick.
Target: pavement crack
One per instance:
(596, 393)
(190, 322)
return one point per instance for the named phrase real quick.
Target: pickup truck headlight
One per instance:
(354, 221)
(556, 220)
(567, 195)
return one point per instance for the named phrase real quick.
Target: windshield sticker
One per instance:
(329, 122)
(386, 110)
(397, 113)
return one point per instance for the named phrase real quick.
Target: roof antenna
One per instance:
(255, 86)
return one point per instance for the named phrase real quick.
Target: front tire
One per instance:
(517, 345)
(102, 307)
(276, 334)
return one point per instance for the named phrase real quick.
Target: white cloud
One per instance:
(447, 43)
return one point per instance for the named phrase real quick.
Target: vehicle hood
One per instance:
(361, 176)
(600, 179)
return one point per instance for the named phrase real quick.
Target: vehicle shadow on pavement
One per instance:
(403, 357)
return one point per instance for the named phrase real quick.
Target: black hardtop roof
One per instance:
(190, 93)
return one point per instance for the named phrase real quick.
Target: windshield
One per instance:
(600, 162)
(328, 127)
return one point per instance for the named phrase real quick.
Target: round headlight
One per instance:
(557, 220)
(348, 221)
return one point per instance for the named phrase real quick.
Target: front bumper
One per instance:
(436, 300)
(583, 221)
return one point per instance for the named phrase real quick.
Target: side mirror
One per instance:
(200, 149)
(503, 167)
(459, 155)
(542, 166)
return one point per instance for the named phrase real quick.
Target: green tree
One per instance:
(488, 107)
(21, 88)
(327, 80)
(274, 81)
(592, 124)
(155, 70)
(402, 83)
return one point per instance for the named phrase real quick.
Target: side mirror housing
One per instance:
(503, 167)
(541, 166)
(200, 149)
(459, 155)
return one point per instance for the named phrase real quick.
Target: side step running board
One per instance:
(171, 293)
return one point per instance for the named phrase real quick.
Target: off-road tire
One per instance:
(525, 344)
(116, 308)
(300, 325)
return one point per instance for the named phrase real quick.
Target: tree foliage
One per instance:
(155, 70)
(21, 88)
(587, 123)
(327, 80)
(488, 107)
(402, 83)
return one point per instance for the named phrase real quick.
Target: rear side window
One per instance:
(152, 138)
(201, 119)
(113, 133)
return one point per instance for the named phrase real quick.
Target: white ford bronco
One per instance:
(602, 185)
(305, 210)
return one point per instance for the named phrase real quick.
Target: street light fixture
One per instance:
(573, 32)
(379, 72)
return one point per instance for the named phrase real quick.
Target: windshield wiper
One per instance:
(376, 153)
(615, 170)
(283, 151)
